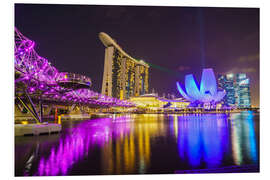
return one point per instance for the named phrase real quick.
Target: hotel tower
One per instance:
(123, 76)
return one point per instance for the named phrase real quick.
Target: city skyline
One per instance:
(125, 90)
(225, 39)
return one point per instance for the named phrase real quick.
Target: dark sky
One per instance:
(176, 40)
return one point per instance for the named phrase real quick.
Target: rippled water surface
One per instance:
(135, 144)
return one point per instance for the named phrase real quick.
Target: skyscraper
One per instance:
(243, 91)
(226, 82)
(123, 76)
(237, 89)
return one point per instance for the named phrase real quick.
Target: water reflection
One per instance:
(133, 148)
(203, 139)
(141, 143)
(74, 147)
(243, 138)
(118, 157)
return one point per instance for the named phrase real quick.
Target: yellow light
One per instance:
(59, 120)
(121, 94)
(24, 122)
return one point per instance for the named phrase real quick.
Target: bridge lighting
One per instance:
(32, 89)
(43, 73)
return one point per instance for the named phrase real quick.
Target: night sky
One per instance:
(175, 40)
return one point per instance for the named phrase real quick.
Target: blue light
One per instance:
(208, 88)
(251, 142)
(203, 139)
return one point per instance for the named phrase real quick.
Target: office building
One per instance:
(243, 91)
(237, 89)
(226, 82)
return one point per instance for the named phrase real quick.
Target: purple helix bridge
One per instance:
(37, 80)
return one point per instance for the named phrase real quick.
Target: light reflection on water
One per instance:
(144, 143)
(203, 139)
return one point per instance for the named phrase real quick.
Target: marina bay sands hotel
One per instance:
(123, 76)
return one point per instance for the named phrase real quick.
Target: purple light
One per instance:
(204, 137)
(40, 71)
(31, 89)
(207, 91)
(76, 146)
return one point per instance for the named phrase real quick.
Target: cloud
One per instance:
(250, 58)
(183, 68)
(236, 70)
(248, 70)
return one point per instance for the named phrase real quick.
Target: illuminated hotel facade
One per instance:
(123, 76)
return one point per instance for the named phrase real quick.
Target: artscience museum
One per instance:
(206, 92)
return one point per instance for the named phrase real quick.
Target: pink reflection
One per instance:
(76, 145)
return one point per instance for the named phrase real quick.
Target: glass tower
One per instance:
(243, 91)
(237, 89)
(226, 82)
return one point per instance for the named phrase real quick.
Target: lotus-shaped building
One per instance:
(207, 91)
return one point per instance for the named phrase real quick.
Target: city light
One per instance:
(237, 89)
(95, 109)
(39, 76)
(206, 93)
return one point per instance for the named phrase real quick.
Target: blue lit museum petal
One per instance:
(206, 93)
(192, 88)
